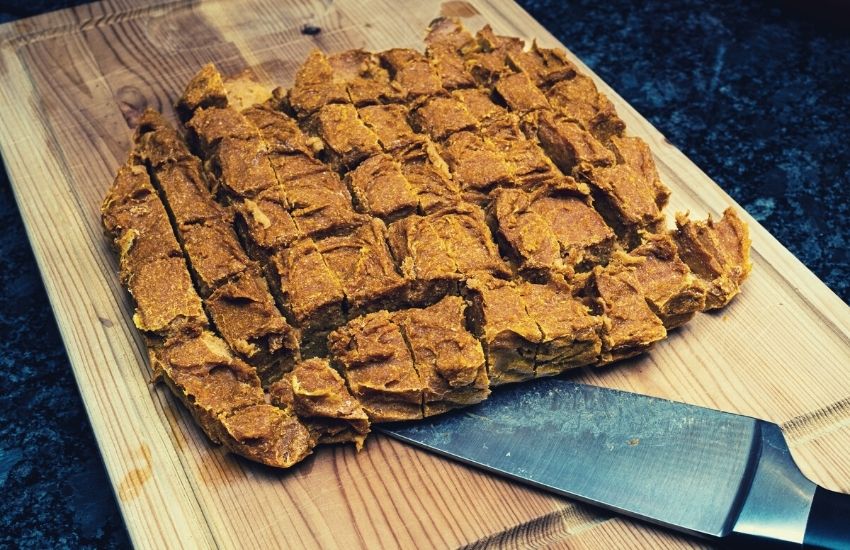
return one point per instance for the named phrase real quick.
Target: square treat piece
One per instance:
(307, 287)
(411, 71)
(450, 66)
(629, 325)
(389, 122)
(468, 240)
(571, 148)
(543, 66)
(362, 263)
(208, 127)
(214, 253)
(423, 258)
(625, 200)
(717, 252)
(225, 397)
(635, 153)
(319, 203)
(381, 189)
(280, 133)
(315, 86)
(136, 220)
(508, 333)
(205, 90)
(367, 82)
(318, 396)
(378, 367)
(166, 301)
(479, 104)
(475, 165)
(265, 223)
(449, 359)
(520, 93)
(672, 291)
(187, 192)
(551, 231)
(348, 139)
(528, 164)
(488, 60)
(242, 168)
(570, 335)
(442, 116)
(578, 100)
(429, 178)
(245, 314)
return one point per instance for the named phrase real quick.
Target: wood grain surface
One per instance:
(71, 86)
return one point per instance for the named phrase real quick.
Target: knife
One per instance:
(708, 473)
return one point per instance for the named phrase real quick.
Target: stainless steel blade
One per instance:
(674, 464)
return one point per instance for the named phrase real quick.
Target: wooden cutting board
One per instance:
(72, 83)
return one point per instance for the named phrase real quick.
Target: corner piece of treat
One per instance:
(718, 252)
(205, 90)
(318, 396)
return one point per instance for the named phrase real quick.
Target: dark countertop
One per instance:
(756, 95)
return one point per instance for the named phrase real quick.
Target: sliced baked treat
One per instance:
(569, 333)
(489, 59)
(318, 396)
(380, 188)
(629, 325)
(476, 165)
(673, 292)
(151, 262)
(577, 99)
(718, 252)
(205, 90)
(635, 153)
(429, 178)
(265, 222)
(315, 86)
(366, 81)
(443, 116)
(411, 73)
(306, 287)
(626, 201)
(246, 316)
(468, 240)
(423, 259)
(446, 39)
(573, 149)
(479, 104)
(281, 134)
(389, 123)
(347, 139)
(508, 333)
(378, 367)
(317, 199)
(225, 397)
(448, 358)
(527, 162)
(520, 94)
(544, 66)
(361, 262)
(551, 232)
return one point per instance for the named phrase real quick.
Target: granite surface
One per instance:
(757, 95)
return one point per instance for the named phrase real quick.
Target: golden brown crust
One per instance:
(318, 395)
(378, 367)
(381, 189)
(449, 359)
(717, 252)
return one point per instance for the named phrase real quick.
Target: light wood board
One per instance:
(72, 81)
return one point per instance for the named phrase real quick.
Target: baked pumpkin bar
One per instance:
(235, 293)
(431, 225)
(222, 392)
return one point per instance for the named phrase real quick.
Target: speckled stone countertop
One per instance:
(757, 95)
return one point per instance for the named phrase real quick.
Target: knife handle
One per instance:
(829, 521)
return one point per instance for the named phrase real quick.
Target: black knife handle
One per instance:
(829, 521)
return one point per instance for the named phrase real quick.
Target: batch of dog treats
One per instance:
(395, 235)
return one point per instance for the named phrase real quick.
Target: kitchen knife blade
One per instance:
(697, 470)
